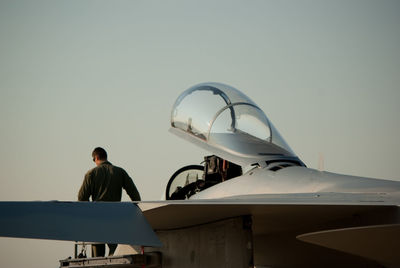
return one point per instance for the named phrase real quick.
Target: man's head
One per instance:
(99, 155)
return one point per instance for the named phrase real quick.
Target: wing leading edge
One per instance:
(112, 222)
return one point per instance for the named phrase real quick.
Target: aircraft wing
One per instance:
(366, 225)
(112, 222)
(370, 221)
(277, 207)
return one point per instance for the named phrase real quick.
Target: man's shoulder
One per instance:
(119, 169)
(98, 168)
(90, 171)
(106, 167)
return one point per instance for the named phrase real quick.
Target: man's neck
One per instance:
(99, 162)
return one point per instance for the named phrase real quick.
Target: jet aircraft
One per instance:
(253, 203)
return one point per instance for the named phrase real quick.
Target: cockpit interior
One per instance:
(192, 179)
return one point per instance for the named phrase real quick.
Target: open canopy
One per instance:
(228, 123)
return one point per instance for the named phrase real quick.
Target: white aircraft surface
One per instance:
(254, 203)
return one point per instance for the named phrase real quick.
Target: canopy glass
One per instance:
(225, 118)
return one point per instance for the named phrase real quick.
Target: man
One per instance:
(105, 183)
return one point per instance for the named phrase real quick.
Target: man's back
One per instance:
(105, 183)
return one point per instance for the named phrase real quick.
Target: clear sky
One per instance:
(79, 74)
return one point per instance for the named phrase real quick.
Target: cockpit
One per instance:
(224, 121)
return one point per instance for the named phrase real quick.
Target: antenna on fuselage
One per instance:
(321, 161)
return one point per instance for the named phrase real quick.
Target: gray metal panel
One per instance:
(278, 219)
(236, 157)
(112, 222)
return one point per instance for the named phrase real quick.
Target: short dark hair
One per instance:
(100, 153)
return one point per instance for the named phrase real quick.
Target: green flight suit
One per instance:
(105, 183)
